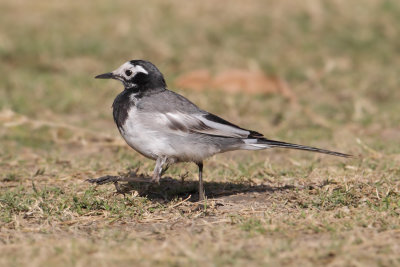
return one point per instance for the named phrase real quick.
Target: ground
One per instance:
(337, 61)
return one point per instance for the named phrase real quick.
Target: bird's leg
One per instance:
(201, 189)
(158, 169)
(165, 168)
(118, 188)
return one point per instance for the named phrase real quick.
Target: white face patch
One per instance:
(139, 68)
(127, 71)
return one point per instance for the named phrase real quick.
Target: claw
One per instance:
(118, 188)
(104, 180)
(155, 180)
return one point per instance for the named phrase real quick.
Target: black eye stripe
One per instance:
(128, 72)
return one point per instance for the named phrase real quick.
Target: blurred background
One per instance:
(319, 73)
(322, 73)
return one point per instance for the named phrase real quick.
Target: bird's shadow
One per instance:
(170, 188)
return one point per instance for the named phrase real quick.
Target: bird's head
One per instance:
(137, 74)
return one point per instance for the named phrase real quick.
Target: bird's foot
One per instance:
(119, 190)
(104, 180)
(201, 196)
(155, 180)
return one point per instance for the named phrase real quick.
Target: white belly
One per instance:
(149, 137)
(138, 135)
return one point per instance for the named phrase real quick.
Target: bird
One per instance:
(167, 127)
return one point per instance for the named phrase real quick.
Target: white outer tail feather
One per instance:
(251, 144)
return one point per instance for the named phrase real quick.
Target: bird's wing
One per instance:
(203, 123)
(177, 114)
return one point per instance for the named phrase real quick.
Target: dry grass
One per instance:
(263, 208)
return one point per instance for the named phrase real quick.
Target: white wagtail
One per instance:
(168, 128)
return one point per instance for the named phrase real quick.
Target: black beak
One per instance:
(108, 75)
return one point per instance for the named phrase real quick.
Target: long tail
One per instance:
(263, 143)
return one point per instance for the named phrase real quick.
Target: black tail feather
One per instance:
(274, 143)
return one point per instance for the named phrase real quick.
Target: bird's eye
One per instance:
(128, 72)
